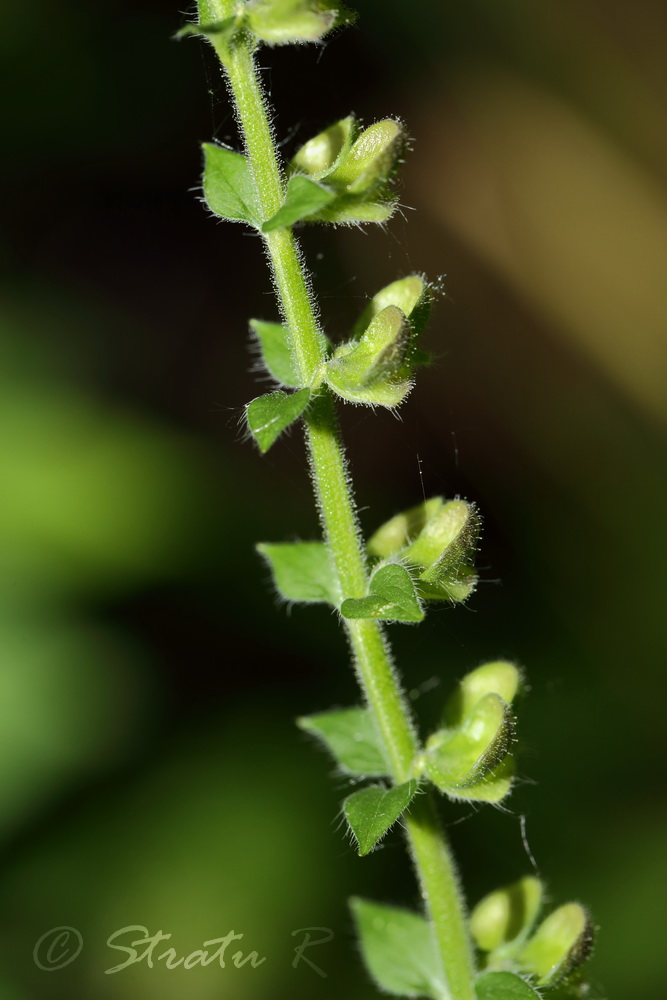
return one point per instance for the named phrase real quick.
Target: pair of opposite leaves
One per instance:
(467, 759)
(373, 367)
(399, 949)
(398, 946)
(423, 554)
(341, 176)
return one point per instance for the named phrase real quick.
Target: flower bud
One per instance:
(561, 943)
(500, 677)
(507, 915)
(409, 294)
(351, 210)
(371, 159)
(321, 154)
(445, 549)
(394, 535)
(463, 761)
(371, 369)
(280, 22)
(439, 537)
(356, 169)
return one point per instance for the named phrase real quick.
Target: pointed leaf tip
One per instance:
(372, 811)
(268, 416)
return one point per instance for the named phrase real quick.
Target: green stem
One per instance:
(430, 851)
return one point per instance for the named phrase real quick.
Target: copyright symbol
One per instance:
(57, 948)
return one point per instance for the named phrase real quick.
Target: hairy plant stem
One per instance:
(429, 848)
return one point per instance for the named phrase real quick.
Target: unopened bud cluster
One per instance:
(356, 166)
(283, 22)
(439, 539)
(503, 927)
(272, 22)
(375, 366)
(470, 756)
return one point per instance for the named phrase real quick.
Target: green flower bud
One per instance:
(402, 529)
(322, 154)
(371, 160)
(493, 787)
(371, 370)
(349, 210)
(507, 915)
(560, 945)
(280, 22)
(356, 169)
(440, 538)
(462, 761)
(440, 532)
(445, 549)
(500, 677)
(409, 294)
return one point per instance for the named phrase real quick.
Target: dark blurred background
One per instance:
(150, 771)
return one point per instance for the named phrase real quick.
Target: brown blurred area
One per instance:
(150, 770)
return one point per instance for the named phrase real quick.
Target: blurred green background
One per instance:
(150, 771)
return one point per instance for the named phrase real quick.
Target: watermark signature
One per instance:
(57, 948)
(60, 946)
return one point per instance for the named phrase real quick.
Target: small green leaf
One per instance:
(372, 811)
(399, 950)
(229, 187)
(503, 986)
(268, 416)
(304, 197)
(392, 598)
(559, 945)
(350, 736)
(275, 351)
(506, 916)
(302, 571)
